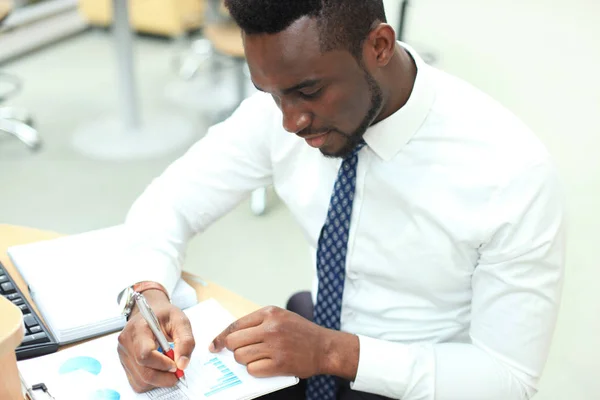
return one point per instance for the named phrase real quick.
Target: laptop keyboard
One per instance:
(38, 340)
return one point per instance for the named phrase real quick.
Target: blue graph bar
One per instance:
(238, 382)
(226, 381)
(227, 375)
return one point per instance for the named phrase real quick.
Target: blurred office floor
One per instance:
(539, 58)
(73, 82)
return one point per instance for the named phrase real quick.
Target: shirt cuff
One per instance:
(390, 369)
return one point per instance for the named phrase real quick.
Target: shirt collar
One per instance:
(388, 137)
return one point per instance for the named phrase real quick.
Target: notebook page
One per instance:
(75, 280)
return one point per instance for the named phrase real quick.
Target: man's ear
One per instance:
(380, 44)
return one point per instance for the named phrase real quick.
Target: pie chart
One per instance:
(87, 364)
(105, 394)
(92, 367)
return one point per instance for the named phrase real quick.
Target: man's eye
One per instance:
(311, 94)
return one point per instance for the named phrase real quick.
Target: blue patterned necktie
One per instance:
(331, 265)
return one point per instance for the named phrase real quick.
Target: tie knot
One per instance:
(358, 148)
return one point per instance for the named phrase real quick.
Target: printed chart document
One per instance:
(92, 371)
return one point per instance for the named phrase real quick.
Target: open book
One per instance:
(93, 371)
(75, 280)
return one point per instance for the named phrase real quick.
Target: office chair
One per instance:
(15, 121)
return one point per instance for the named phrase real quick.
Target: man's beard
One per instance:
(355, 138)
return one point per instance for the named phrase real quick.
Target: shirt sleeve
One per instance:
(516, 288)
(215, 175)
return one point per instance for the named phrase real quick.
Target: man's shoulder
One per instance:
(477, 134)
(461, 102)
(482, 122)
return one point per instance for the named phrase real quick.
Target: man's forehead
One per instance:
(289, 57)
(300, 39)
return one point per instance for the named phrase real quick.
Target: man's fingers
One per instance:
(136, 386)
(146, 354)
(148, 378)
(146, 368)
(263, 368)
(249, 354)
(157, 378)
(249, 321)
(156, 360)
(244, 337)
(183, 337)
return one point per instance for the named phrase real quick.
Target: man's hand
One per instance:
(146, 368)
(277, 342)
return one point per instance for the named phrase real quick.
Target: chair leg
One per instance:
(402, 21)
(21, 131)
(18, 114)
(201, 53)
(258, 201)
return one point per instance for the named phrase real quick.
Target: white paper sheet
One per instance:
(92, 371)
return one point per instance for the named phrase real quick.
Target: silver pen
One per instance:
(154, 325)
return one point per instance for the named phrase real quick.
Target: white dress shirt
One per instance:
(455, 258)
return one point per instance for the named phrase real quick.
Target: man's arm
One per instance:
(197, 189)
(516, 293)
(219, 171)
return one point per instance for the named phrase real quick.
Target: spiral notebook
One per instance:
(75, 280)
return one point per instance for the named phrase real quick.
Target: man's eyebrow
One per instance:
(301, 85)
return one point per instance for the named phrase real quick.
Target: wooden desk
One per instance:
(16, 235)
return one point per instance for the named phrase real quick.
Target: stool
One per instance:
(11, 335)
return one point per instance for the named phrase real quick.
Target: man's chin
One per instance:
(336, 154)
(342, 152)
(340, 145)
(329, 155)
(330, 152)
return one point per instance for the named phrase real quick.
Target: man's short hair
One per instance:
(343, 24)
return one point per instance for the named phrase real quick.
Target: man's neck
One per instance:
(400, 82)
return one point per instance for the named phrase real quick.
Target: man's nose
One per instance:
(294, 119)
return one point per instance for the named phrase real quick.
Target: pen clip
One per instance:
(141, 299)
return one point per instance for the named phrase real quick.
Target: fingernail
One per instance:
(183, 362)
(173, 368)
(212, 348)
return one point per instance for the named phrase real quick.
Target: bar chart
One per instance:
(220, 377)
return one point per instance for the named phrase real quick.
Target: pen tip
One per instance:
(183, 381)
